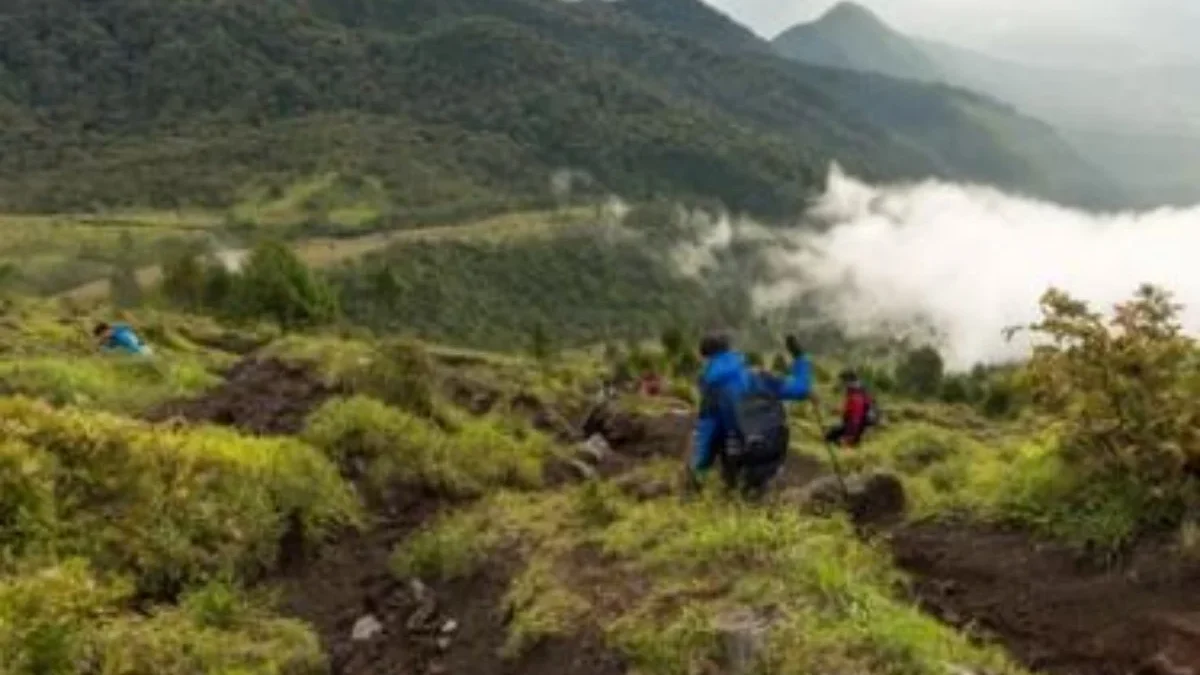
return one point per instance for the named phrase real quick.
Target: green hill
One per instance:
(198, 102)
(851, 36)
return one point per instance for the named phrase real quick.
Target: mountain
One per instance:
(851, 36)
(465, 104)
(1122, 118)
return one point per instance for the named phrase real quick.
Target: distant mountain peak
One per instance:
(853, 13)
(851, 36)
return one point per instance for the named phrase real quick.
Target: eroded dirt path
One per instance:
(1054, 610)
(259, 396)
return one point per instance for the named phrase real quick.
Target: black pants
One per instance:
(750, 473)
(749, 478)
(837, 434)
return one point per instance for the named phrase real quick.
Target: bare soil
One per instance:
(259, 396)
(1056, 611)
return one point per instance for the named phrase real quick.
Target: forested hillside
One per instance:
(194, 102)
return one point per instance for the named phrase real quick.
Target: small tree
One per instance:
(921, 372)
(1126, 389)
(276, 284)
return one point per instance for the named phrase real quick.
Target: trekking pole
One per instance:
(837, 467)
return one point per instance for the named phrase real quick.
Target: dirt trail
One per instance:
(351, 579)
(261, 396)
(1054, 611)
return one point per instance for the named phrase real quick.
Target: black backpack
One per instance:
(760, 431)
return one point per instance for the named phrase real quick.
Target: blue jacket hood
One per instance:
(723, 369)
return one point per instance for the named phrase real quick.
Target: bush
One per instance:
(920, 373)
(1125, 391)
(402, 375)
(397, 446)
(167, 507)
(276, 284)
(65, 619)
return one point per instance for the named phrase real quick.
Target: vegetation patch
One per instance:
(392, 445)
(662, 580)
(166, 507)
(65, 618)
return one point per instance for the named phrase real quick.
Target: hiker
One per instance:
(741, 421)
(120, 338)
(858, 413)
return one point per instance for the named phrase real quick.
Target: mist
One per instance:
(973, 261)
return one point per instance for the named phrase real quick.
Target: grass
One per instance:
(659, 578)
(114, 383)
(166, 507)
(361, 231)
(398, 446)
(58, 617)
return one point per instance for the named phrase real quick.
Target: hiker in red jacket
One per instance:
(857, 413)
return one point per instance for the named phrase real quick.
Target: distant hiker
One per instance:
(741, 421)
(858, 413)
(120, 337)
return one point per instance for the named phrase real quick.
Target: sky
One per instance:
(1066, 32)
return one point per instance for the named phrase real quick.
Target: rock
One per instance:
(365, 628)
(594, 451)
(421, 618)
(644, 489)
(869, 499)
(742, 634)
(880, 498)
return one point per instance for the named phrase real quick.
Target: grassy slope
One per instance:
(840, 610)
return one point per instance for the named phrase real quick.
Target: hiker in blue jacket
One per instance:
(120, 338)
(741, 420)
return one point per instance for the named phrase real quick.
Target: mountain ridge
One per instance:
(136, 104)
(1082, 105)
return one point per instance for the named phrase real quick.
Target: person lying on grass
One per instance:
(120, 338)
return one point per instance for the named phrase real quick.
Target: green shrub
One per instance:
(63, 619)
(167, 506)
(275, 284)
(398, 446)
(920, 372)
(1125, 390)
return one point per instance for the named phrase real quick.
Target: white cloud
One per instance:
(974, 260)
